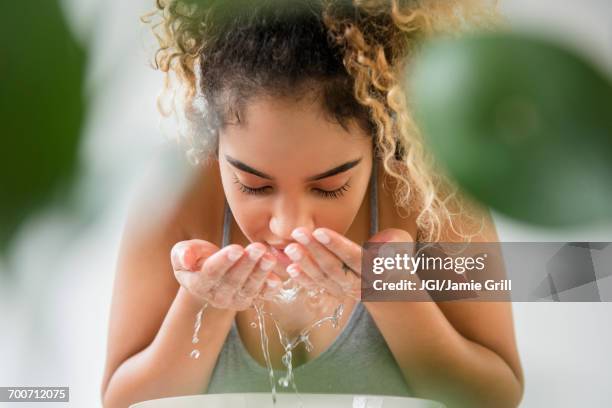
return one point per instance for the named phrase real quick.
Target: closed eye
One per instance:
(337, 193)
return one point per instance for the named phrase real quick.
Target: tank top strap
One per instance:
(227, 223)
(373, 199)
(227, 216)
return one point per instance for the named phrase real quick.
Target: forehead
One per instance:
(284, 129)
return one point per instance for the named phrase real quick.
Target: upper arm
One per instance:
(487, 323)
(144, 287)
(175, 203)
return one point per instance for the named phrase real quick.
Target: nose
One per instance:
(288, 215)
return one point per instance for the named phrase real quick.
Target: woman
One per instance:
(305, 150)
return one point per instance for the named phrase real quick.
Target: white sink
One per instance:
(285, 400)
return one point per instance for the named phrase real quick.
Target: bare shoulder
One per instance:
(163, 213)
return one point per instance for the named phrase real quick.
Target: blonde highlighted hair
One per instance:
(373, 41)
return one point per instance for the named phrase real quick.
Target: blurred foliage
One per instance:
(41, 107)
(522, 124)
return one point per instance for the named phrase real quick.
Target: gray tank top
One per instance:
(358, 361)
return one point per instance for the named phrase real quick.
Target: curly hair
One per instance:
(215, 55)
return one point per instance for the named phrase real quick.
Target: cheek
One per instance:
(338, 217)
(250, 215)
(341, 217)
(338, 221)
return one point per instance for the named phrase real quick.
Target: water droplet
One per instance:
(195, 354)
(196, 329)
(306, 340)
(253, 325)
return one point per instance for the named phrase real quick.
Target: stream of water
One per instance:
(287, 294)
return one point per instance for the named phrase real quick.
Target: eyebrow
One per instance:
(332, 172)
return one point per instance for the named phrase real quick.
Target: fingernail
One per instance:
(178, 254)
(293, 253)
(300, 237)
(255, 253)
(234, 254)
(272, 283)
(292, 271)
(321, 236)
(267, 264)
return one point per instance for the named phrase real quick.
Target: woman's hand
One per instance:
(228, 278)
(326, 259)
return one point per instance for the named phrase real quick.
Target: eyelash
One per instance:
(323, 193)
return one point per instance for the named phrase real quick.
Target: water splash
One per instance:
(287, 295)
(304, 337)
(265, 347)
(288, 292)
(195, 353)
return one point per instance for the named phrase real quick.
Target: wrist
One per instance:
(193, 304)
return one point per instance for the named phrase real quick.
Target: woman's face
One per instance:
(286, 165)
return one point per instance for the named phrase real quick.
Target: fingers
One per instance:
(300, 277)
(312, 269)
(231, 277)
(235, 277)
(189, 255)
(217, 265)
(330, 263)
(186, 258)
(345, 249)
(200, 282)
(271, 287)
(244, 281)
(256, 280)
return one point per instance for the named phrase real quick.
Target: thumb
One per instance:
(387, 239)
(190, 255)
